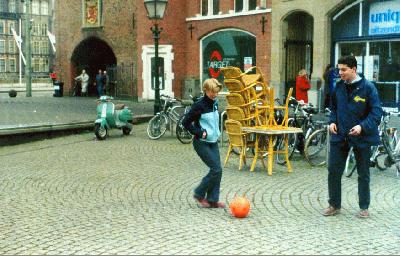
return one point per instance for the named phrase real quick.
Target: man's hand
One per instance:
(204, 135)
(356, 130)
(333, 128)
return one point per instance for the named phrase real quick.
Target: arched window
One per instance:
(227, 48)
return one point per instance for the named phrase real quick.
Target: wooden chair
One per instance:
(237, 139)
(238, 114)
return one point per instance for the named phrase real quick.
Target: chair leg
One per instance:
(242, 152)
(228, 154)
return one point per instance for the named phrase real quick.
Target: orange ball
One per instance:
(240, 207)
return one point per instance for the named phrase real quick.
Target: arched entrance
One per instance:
(92, 54)
(297, 35)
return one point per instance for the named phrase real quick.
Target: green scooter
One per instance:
(110, 115)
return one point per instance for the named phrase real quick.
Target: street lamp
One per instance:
(155, 11)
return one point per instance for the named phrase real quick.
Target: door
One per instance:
(166, 75)
(298, 55)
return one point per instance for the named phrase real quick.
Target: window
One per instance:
(12, 6)
(227, 48)
(11, 46)
(2, 46)
(36, 47)
(2, 65)
(245, 5)
(35, 28)
(44, 8)
(12, 67)
(44, 47)
(2, 26)
(209, 7)
(43, 65)
(44, 29)
(11, 24)
(35, 7)
(36, 64)
(3, 4)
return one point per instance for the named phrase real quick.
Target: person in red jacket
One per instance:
(302, 86)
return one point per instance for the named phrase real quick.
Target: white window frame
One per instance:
(11, 24)
(11, 45)
(10, 69)
(44, 47)
(210, 9)
(36, 47)
(245, 6)
(12, 6)
(4, 26)
(35, 7)
(3, 70)
(3, 48)
(44, 8)
(36, 64)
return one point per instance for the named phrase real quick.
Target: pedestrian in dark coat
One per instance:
(354, 120)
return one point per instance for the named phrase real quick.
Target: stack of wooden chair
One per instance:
(250, 103)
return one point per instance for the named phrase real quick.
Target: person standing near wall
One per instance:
(84, 79)
(355, 115)
(302, 86)
(99, 83)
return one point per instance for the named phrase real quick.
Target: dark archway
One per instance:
(298, 30)
(92, 54)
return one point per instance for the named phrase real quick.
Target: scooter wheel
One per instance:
(101, 133)
(126, 130)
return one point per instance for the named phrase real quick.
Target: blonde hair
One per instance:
(212, 84)
(302, 72)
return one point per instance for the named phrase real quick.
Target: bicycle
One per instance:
(316, 148)
(386, 154)
(301, 118)
(171, 112)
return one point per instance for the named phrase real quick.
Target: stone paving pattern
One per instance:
(133, 195)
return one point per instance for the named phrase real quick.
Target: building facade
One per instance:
(12, 18)
(201, 36)
(313, 34)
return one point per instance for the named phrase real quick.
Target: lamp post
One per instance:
(155, 11)
(28, 65)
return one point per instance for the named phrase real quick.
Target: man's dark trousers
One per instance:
(337, 162)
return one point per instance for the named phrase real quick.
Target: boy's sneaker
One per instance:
(363, 213)
(217, 204)
(202, 202)
(331, 211)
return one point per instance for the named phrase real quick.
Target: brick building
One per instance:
(199, 36)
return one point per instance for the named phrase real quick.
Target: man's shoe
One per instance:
(363, 213)
(203, 203)
(331, 211)
(217, 204)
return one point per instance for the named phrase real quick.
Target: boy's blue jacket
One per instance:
(203, 116)
(361, 107)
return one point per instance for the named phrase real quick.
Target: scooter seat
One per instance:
(119, 106)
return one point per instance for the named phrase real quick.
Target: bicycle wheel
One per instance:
(157, 126)
(280, 145)
(182, 134)
(315, 149)
(350, 164)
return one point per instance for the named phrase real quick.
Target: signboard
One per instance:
(248, 63)
(92, 12)
(384, 18)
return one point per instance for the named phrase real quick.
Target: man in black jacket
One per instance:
(356, 114)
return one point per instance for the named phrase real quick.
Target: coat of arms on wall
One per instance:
(92, 13)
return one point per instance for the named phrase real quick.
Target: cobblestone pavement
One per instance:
(132, 195)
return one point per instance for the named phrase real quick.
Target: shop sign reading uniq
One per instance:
(384, 18)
